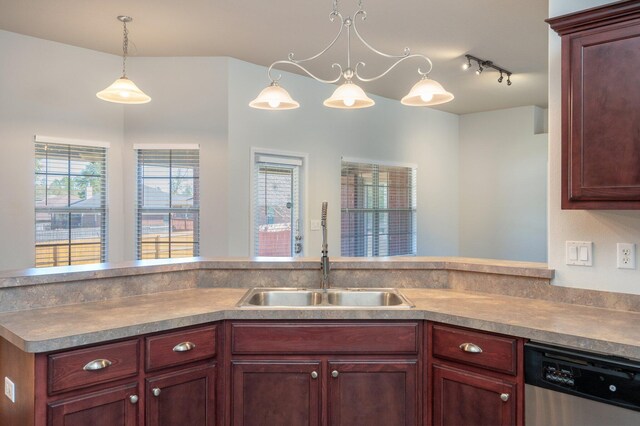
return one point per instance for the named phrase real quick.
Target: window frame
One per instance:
(73, 146)
(256, 152)
(374, 166)
(140, 209)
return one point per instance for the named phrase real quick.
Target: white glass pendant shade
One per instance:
(427, 92)
(123, 91)
(349, 96)
(274, 97)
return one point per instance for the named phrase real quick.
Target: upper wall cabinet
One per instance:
(601, 106)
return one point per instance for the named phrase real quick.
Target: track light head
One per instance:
(479, 70)
(508, 81)
(500, 78)
(467, 65)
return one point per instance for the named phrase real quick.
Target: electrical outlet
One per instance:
(10, 389)
(626, 256)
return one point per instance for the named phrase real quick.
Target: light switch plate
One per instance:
(579, 253)
(9, 389)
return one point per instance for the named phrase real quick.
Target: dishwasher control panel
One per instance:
(599, 377)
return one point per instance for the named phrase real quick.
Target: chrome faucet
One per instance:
(324, 260)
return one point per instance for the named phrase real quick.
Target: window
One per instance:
(277, 227)
(168, 207)
(70, 202)
(378, 209)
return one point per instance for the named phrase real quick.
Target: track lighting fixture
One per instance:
(483, 63)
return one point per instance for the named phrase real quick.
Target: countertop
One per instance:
(54, 328)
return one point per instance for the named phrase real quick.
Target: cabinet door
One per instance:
(463, 398)
(373, 393)
(111, 407)
(185, 397)
(283, 393)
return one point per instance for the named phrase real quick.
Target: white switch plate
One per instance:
(626, 256)
(315, 225)
(579, 253)
(10, 389)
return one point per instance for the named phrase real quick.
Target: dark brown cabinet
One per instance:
(111, 407)
(474, 378)
(329, 373)
(464, 398)
(184, 397)
(600, 107)
(373, 393)
(276, 393)
(163, 379)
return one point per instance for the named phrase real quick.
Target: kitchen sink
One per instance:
(366, 297)
(354, 298)
(282, 297)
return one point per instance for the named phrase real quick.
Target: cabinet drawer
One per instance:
(180, 347)
(475, 348)
(90, 366)
(317, 338)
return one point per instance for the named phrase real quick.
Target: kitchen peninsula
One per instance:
(133, 310)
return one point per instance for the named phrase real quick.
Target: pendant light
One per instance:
(123, 90)
(349, 95)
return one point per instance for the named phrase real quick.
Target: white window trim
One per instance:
(137, 146)
(378, 162)
(305, 225)
(69, 141)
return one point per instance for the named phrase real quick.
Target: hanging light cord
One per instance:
(125, 48)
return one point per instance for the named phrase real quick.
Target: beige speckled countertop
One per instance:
(597, 329)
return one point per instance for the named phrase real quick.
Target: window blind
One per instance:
(378, 210)
(276, 206)
(70, 204)
(168, 203)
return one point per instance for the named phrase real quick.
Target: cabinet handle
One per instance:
(504, 397)
(97, 364)
(314, 374)
(184, 347)
(156, 391)
(133, 399)
(471, 348)
(335, 373)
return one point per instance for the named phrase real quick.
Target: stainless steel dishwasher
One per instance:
(567, 387)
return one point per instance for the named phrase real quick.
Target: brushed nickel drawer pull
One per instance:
(335, 373)
(471, 348)
(133, 399)
(97, 364)
(314, 374)
(184, 347)
(156, 391)
(504, 397)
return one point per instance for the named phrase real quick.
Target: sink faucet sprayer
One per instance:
(325, 249)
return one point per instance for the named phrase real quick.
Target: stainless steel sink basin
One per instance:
(353, 298)
(365, 297)
(282, 298)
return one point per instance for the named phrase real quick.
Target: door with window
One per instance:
(277, 228)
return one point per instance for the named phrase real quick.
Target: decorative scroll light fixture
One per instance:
(349, 95)
(483, 63)
(123, 90)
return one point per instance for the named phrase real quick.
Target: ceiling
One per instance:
(511, 33)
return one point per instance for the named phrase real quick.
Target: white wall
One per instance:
(386, 132)
(48, 88)
(604, 228)
(189, 106)
(503, 185)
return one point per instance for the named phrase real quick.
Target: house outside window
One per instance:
(378, 209)
(168, 201)
(70, 202)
